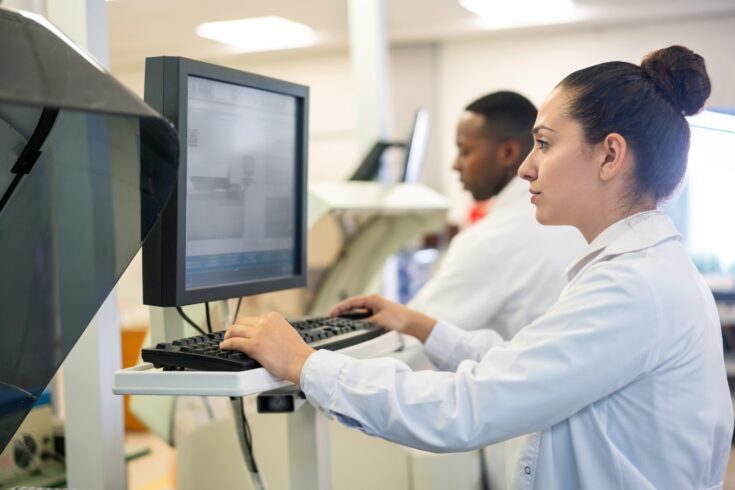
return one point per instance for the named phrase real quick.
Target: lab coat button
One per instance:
(527, 470)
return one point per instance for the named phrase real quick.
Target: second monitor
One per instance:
(236, 222)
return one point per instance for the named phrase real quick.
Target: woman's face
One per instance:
(564, 182)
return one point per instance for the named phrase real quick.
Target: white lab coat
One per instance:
(504, 271)
(621, 384)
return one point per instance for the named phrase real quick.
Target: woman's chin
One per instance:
(545, 219)
(541, 217)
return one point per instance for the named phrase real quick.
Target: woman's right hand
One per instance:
(389, 315)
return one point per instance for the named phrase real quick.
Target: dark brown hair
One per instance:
(646, 105)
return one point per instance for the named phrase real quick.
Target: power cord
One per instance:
(249, 437)
(246, 441)
(209, 319)
(189, 320)
(237, 309)
(208, 408)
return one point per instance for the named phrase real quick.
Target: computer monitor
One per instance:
(236, 222)
(416, 147)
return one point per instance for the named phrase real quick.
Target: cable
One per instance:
(31, 152)
(249, 435)
(246, 427)
(209, 320)
(237, 309)
(246, 441)
(189, 320)
(208, 408)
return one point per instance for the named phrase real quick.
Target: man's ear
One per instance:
(614, 155)
(509, 152)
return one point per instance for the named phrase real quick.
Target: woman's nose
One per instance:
(527, 170)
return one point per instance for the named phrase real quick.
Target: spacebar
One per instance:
(346, 339)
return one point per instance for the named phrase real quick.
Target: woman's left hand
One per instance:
(272, 341)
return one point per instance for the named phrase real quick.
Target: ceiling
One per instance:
(141, 28)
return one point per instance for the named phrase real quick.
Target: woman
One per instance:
(621, 384)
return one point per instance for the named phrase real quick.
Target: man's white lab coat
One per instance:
(504, 271)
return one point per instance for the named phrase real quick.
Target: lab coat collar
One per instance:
(630, 234)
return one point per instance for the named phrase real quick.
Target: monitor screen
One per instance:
(241, 145)
(240, 205)
(416, 147)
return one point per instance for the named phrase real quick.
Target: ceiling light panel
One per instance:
(259, 34)
(507, 14)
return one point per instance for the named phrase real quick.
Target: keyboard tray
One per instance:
(144, 379)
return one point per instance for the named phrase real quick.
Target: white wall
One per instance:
(415, 80)
(534, 64)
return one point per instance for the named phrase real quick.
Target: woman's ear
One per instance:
(614, 153)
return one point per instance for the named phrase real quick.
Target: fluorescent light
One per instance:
(259, 33)
(520, 13)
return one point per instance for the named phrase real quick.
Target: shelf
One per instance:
(373, 198)
(144, 379)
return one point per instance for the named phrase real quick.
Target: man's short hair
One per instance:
(509, 113)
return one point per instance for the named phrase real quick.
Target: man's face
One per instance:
(479, 157)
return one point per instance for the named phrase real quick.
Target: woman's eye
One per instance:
(542, 145)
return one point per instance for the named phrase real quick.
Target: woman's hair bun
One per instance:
(681, 75)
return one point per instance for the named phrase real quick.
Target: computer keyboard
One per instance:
(202, 352)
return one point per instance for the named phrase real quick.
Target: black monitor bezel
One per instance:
(164, 253)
